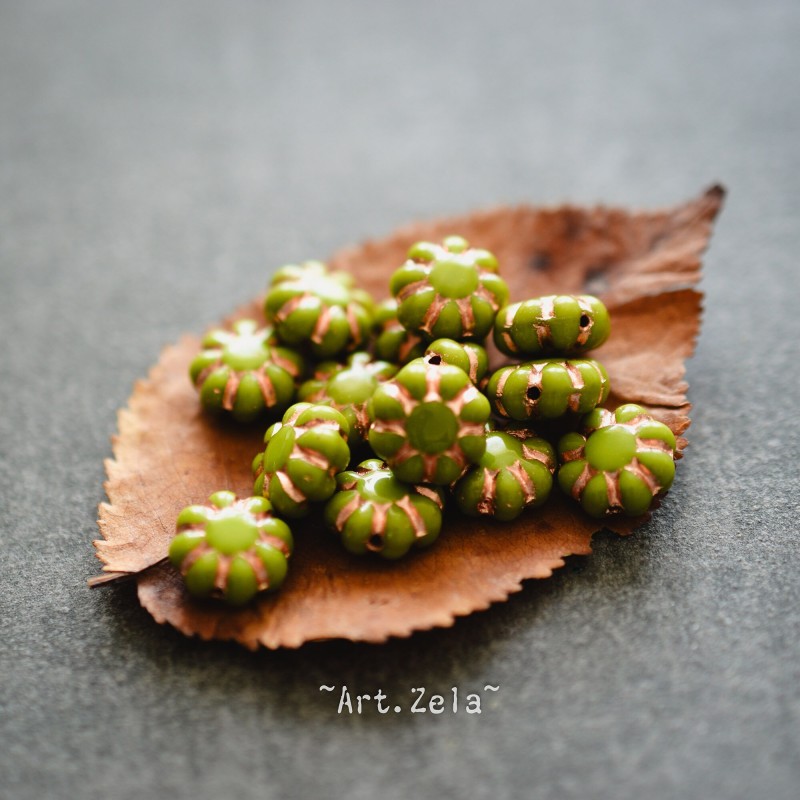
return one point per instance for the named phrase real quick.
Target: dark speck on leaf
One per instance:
(596, 281)
(540, 261)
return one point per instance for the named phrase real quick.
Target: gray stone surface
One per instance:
(157, 159)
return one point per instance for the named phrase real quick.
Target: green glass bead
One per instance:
(348, 387)
(469, 356)
(622, 461)
(548, 388)
(448, 291)
(373, 511)
(231, 549)
(303, 454)
(243, 372)
(392, 342)
(564, 325)
(319, 310)
(515, 473)
(428, 422)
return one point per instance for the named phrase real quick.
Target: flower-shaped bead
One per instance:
(348, 388)
(448, 291)
(515, 473)
(548, 388)
(563, 325)
(303, 454)
(231, 549)
(317, 309)
(626, 460)
(428, 422)
(392, 342)
(374, 511)
(243, 372)
(469, 356)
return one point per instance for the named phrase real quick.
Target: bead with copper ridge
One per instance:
(373, 511)
(243, 372)
(428, 422)
(348, 387)
(319, 310)
(471, 357)
(564, 325)
(548, 388)
(231, 549)
(391, 341)
(303, 454)
(625, 459)
(449, 290)
(515, 473)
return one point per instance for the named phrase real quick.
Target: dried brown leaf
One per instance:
(168, 454)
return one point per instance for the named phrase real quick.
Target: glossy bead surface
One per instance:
(563, 325)
(622, 461)
(348, 387)
(469, 356)
(242, 372)
(373, 511)
(231, 549)
(448, 291)
(548, 388)
(515, 473)
(303, 454)
(319, 310)
(391, 341)
(428, 423)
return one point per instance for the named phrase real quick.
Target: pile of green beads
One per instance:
(448, 291)
(409, 379)
(243, 371)
(231, 549)
(303, 454)
(625, 460)
(319, 310)
(428, 422)
(374, 511)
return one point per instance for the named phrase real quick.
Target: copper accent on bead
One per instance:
(612, 478)
(303, 454)
(585, 331)
(223, 560)
(235, 377)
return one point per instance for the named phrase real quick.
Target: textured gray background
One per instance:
(157, 159)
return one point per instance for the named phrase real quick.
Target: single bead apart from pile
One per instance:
(243, 372)
(374, 511)
(469, 356)
(318, 310)
(392, 342)
(303, 454)
(563, 325)
(448, 291)
(548, 388)
(348, 387)
(428, 423)
(625, 460)
(231, 549)
(515, 473)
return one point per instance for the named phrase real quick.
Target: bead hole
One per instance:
(375, 541)
(533, 393)
(584, 321)
(434, 359)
